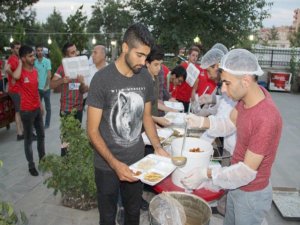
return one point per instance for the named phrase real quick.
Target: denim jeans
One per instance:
(46, 96)
(247, 208)
(108, 189)
(30, 119)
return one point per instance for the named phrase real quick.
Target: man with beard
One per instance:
(31, 114)
(119, 104)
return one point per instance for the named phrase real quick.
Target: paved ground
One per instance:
(30, 195)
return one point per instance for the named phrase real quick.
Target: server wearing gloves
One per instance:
(258, 125)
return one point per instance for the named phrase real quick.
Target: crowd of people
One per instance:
(127, 97)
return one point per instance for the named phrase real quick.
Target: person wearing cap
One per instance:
(258, 124)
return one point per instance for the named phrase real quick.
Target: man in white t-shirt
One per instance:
(99, 61)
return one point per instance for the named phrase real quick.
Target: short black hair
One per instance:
(14, 43)
(24, 50)
(39, 46)
(138, 34)
(157, 53)
(179, 71)
(65, 48)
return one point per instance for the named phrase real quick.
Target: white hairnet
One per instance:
(240, 62)
(221, 47)
(212, 57)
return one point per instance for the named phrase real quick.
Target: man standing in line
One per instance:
(43, 66)
(99, 62)
(31, 114)
(119, 104)
(71, 89)
(258, 125)
(13, 86)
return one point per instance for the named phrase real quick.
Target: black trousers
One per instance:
(30, 119)
(108, 188)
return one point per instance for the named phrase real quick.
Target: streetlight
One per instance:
(49, 40)
(251, 37)
(11, 39)
(113, 49)
(94, 40)
(196, 39)
(113, 43)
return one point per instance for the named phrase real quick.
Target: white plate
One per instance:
(163, 134)
(175, 105)
(176, 118)
(153, 163)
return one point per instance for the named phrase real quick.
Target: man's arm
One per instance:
(17, 73)
(57, 81)
(48, 80)
(151, 131)
(94, 116)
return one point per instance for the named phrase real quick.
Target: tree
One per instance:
(111, 19)
(295, 39)
(55, 24)
(273, 35)
(75, 26)
(15, 13)
(177, 22)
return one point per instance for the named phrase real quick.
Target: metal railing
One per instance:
(275, 57)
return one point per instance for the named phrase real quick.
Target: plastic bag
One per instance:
(167, 210)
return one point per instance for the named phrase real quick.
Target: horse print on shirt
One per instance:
(126, 118)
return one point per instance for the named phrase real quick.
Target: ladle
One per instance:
(181, 160)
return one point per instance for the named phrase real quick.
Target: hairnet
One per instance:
(241, 62)
(221, 47)
(212, 57)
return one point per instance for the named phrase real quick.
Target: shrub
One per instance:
(73, 174)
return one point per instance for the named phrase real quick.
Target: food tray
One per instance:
(153, 164)
(174, 105)
(163, 134)
(176, 118)
(287, 201)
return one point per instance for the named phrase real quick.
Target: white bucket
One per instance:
(194, 159)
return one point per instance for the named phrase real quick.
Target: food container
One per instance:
(194, 159)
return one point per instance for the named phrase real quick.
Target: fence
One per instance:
(276, 57)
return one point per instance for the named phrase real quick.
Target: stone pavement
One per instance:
(30, 195)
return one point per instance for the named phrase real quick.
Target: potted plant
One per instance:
(73, 174)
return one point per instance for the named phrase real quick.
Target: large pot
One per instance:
(194, 159)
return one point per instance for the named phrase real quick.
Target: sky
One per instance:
(281, 12)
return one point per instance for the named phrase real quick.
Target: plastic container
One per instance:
(194, 159)
(197, 210)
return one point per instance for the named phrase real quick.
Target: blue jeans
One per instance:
(30, 119)
(247, 208)
(46, 96)
(109, 188)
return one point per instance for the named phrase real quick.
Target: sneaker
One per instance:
(20, 137)
(33, 172)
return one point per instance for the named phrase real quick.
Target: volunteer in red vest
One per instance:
(31, 113)
(13, 86)
(184, 91)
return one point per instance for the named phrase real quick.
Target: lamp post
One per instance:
(113, 50)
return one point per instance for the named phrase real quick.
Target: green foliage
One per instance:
(177, 22)
(55, 24)
(73, 174)
(8, 215)
(295, 39)
(75, 26)
(55, 56)
(295, 70)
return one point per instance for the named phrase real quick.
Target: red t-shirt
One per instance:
(30, 99)
(183, 92)
(13, 85)
(259, 130)
(71, 98)
(205, 82)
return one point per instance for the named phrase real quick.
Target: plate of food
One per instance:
(152, 169)
(176, 118)
(162, 133)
